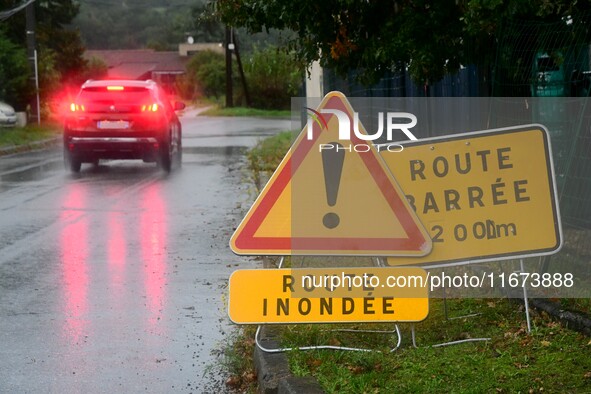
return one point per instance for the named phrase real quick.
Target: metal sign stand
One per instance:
(484, 339)
(396, 330)
(331, 347)
(380, 263)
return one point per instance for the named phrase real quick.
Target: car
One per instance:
(7, 115)
(122, 119)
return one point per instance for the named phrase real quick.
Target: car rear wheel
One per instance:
(165, 157)
(179, 152)
(72, 161)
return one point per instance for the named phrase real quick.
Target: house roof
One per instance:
(138, 63)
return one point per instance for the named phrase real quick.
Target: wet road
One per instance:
(115, 280)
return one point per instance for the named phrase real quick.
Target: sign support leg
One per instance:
(525, 300)
(446, 314)
(527, 318)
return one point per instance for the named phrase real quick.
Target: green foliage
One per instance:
(151, 24)
(141, 24)
(15, 86)
(49, 75)
(57, 13)
(212, 77)
(267, 154)
(52, 18)
(59, 50)
(205, 75)
(427, 38)
(273, 77)
(67, 49)
(206, 27)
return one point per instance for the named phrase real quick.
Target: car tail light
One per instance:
(150, 107)
(77, 107)
(115, 88)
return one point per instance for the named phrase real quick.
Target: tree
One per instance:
(206, 25)
(52, 19)
(14, 74)
(68, 50)
(147, 23)
(429, 38)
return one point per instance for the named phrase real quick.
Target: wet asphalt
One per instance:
(115, 280)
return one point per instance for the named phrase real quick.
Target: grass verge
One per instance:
(243, 111)
(238, 361)
(18, 136)
(267, 155)
(551, 358)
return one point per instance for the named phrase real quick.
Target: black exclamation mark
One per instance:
(332, 164)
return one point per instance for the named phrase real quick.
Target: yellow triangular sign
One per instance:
(331, 196)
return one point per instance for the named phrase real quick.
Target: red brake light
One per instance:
(150, 108)
(115, 88)
(77, 107)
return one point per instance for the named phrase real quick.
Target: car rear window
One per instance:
(123, 99)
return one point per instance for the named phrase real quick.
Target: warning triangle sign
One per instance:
(332, 194)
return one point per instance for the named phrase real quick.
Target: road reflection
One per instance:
(75, 253)
(113, 256)
(153, 229)
(117, 254)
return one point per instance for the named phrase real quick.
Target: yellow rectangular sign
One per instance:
(335, 295)
(482, 196)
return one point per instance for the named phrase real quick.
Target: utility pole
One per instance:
(229, 49)
(241, 70)
(32, 57)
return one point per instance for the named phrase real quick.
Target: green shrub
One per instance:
(206, 76)
(273, 77)
(268, 153)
